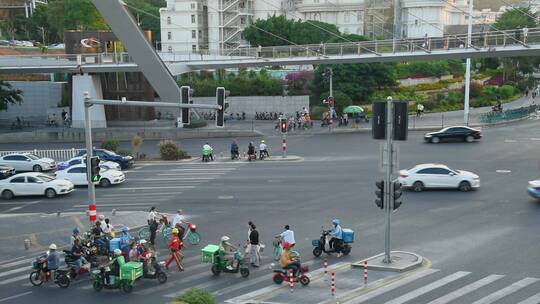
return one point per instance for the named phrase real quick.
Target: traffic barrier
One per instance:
(58, 155)
(291, 280)
(325, 265)
(365, 272)
(92, 212)
(333, 287)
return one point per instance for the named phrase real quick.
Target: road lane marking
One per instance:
(15, 296)
(503, 171)
(532, 300)
(507, 290)
(467, 289)
(158, 187)
(15, 279)
(177, 178)
(510, 141)
(141, 194)
(190, 174)
(391, 286)
(15, 261)
(225, 197)
(427, 288)
(535, 139)
(112, 204)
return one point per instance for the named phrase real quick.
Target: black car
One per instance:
(106, 155)
(458, 133)
(6, 172)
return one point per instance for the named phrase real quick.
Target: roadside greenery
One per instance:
(170, 151)
(9, 95)
(195, 296)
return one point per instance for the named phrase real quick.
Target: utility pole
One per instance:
(468, 68)
(89, 152)
(388, 177)
(397, 24)
(331, 71)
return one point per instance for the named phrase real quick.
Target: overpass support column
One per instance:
(92, 85)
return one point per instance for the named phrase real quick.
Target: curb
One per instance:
(418, 260)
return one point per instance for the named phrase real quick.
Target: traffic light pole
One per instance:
(89, 149)
(284, 145)
(388, 192)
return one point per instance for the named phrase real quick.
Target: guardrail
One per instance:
(519, 113)
(58, 155)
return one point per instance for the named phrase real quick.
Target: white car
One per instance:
(104, 165)
(77, 175)
(28, 162)
(34, 183)
(425, 176)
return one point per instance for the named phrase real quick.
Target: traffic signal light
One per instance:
(378, 128)
(401, 120)
(380, 194)
(94, 169)
(283, 125)
(185, 90)
(396, 188)
(221, 95)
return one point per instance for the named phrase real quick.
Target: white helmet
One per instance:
(143, 242)
(101, 217)
(225, 238)
(52, 246)
(117, 252)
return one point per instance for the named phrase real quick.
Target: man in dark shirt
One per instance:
(77, 256)
(254, 246)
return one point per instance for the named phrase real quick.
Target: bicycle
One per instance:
(164, 229)
(277, 248)
(191, 234)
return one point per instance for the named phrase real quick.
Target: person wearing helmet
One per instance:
(77, 256)
(208, 151)
(101, 219)
(286, 261)
(125, 240)
(175, 245)
(263, 150)
(337, 236)
(235, 154)
(53, 260)
(251, 151)
(114, 266)
(177, 222)
(76, 235)
(228, 250)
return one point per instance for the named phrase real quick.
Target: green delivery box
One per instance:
(209, 252)
(131, 271)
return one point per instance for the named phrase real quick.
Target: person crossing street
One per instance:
(175, 245)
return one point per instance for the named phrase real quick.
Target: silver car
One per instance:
(27, 162)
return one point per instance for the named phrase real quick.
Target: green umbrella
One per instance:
(353, 109)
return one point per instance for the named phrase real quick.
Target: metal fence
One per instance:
(509, 114)
(58, 155)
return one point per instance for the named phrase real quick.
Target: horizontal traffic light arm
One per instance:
(159, 104)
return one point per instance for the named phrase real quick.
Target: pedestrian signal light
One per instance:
(94, 169)
(379, 201)
(283, 125)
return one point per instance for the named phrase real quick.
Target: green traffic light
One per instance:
(96, 178)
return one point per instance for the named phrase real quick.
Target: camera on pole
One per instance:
(396, 188)
(94, 169)
(283, 125)
(185, 93)
(221, 95)
(380, 194)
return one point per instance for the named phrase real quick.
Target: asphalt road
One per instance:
(489, 231)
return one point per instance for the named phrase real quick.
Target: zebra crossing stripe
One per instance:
(507, 290)
(15, 279)
(391, 286)
(532, 300)
(467, 289)
(6, 273)
(423, 290)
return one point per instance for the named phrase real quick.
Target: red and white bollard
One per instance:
(284, 146)
(92, 213)
(291, 280)
(333, 287)
(365, 272)
(325, 265)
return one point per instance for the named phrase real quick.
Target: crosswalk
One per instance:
(433, 286)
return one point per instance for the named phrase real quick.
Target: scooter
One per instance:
(206, 156)
(235, 155)
(220, 264)
(158, 272)
(321, 244)
(251, 157)
(70, 262)
(114, 281)
(263, 155)
(283, 275)
(38, 275)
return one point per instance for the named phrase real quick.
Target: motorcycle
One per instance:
(206, 156)
(158, 272)
(320, 245)
(278, 249)
(220, 264)
(263, 155)
(38, 276)
(283, 275)
(251, 157)
(70, 262)
(235, 155)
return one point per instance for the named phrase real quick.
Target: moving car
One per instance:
(106, 155)
(34, 183)
(6, 172)
(437, 176)
(534, 188)
(77, 175)
(27, 162)
(104, 165)
(457, 133)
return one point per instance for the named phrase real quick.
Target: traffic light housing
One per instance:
(283, 125)
(401, 120)
(94, 169)
(185, 92)
(396, 188)
(221, 95)
(378, 128)
(379, 201)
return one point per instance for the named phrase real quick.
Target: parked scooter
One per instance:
(322, 244)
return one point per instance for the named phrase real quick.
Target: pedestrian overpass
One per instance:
(485, 44)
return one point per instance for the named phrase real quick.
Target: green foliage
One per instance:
(455, 97)
(506, 91)
(170, 151)
(516, 18)
(110, 144)
(146, 12)
(9, 95)
(317, 111)
(425, 87)
(342, 100)
(429, 68)
(196, 296)
(475, 89)
(243, 84)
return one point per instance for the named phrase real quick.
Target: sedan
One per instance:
(6, 172)
(34, 183)
(27, 162)
(106, 155)
(439, 176)
(77, 175)
(459, 133)
(105, 165)
(534, 188)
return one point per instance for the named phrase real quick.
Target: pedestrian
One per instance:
(288, 235)
(108, 228)
(321, 48)
(425, 45)
(254, 255)
(175, 245)
(177, 222)
(525, 34)
(419, 109)
(152, 226)
(259, 51)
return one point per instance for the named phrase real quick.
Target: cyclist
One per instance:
(208, 151)
(263, 151)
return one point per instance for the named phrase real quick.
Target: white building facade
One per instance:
(430, 17)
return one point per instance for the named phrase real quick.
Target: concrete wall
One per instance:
(252, 104)
(40, 98)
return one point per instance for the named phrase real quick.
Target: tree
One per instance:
(9, 95)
